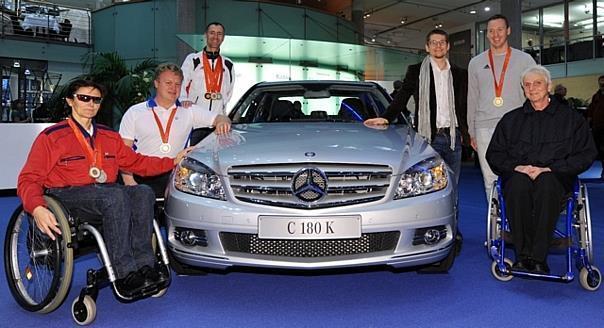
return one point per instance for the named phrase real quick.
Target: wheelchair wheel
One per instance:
(38, 269)
(84, 312)
(493, 219)
(590, 280)
(583, 222)
(500, 275)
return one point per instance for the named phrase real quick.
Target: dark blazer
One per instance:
(411, 88)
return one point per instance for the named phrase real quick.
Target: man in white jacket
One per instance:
(494, 88)
(208, 76)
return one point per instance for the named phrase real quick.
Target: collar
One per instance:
(151, 103)
(211, 54)
(550, 109)
(85, 132)
(435, 65)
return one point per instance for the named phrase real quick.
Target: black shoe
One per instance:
(523, 263)
(541, 268)
(132, 284)
(153, 276)
(519, 266)
(529, 264)
(459, 242)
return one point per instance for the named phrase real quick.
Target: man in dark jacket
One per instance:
(538, 150)
(439, 90)
(595, 115)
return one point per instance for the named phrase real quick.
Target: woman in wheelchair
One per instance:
(538, 150)
(77, 162)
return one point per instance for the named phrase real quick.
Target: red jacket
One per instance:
(56, 159)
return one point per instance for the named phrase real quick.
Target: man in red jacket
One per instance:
(77, 161)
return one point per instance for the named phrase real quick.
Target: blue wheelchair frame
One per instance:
(502, 269)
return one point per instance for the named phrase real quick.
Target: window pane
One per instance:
(598, 39)
(530, 34)
(553, 35)
(580, 15)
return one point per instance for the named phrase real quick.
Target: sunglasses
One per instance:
(87, 98)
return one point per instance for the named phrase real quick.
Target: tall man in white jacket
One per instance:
(494, 88)
(208, 76)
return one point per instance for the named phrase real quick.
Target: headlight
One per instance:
(424, 177)
(195, 178)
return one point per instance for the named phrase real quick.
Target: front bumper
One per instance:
(405, 217)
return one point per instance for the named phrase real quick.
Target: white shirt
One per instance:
(138, 124)
(441, 87)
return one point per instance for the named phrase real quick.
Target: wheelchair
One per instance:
(39, 270)
(574, 239)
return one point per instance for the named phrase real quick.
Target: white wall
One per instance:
(17, 139)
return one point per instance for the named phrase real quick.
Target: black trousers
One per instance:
(533, 208)
(598, 134)
(158, 183)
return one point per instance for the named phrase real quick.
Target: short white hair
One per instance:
(539, 70)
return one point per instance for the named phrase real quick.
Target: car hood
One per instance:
(397, 146)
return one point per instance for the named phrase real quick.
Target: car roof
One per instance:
(318, 82)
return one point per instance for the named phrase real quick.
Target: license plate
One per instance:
(328, 227)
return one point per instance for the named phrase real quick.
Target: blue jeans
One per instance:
(126, 213)
(442, 144)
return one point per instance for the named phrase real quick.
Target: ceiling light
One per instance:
(473, 11)
(487, 8)
(403, 20)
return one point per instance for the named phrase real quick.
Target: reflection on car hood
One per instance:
(273, 143)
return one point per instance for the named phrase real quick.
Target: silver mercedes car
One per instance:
(301, 183)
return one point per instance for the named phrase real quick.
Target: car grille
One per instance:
(251, 244)
(333, 184)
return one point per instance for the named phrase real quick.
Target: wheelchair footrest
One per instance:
(560, 243)
(147, 292)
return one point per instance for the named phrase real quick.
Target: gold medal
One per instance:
(498, 100)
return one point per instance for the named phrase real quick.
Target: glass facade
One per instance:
(564, 32)
(531, 36)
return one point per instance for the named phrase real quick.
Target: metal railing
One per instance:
(45, 21)
(573, 50)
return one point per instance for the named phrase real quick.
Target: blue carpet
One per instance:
(467, 297)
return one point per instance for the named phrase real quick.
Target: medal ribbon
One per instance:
(213, 77)
(506, 61)
(94, 155)
(165, 134)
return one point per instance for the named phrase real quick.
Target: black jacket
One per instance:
(556, 137)
(411, 88)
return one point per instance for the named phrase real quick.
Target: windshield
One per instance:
(315, 102)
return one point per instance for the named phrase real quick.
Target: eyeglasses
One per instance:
(535, 84)
(435, 43)
(87, 98)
